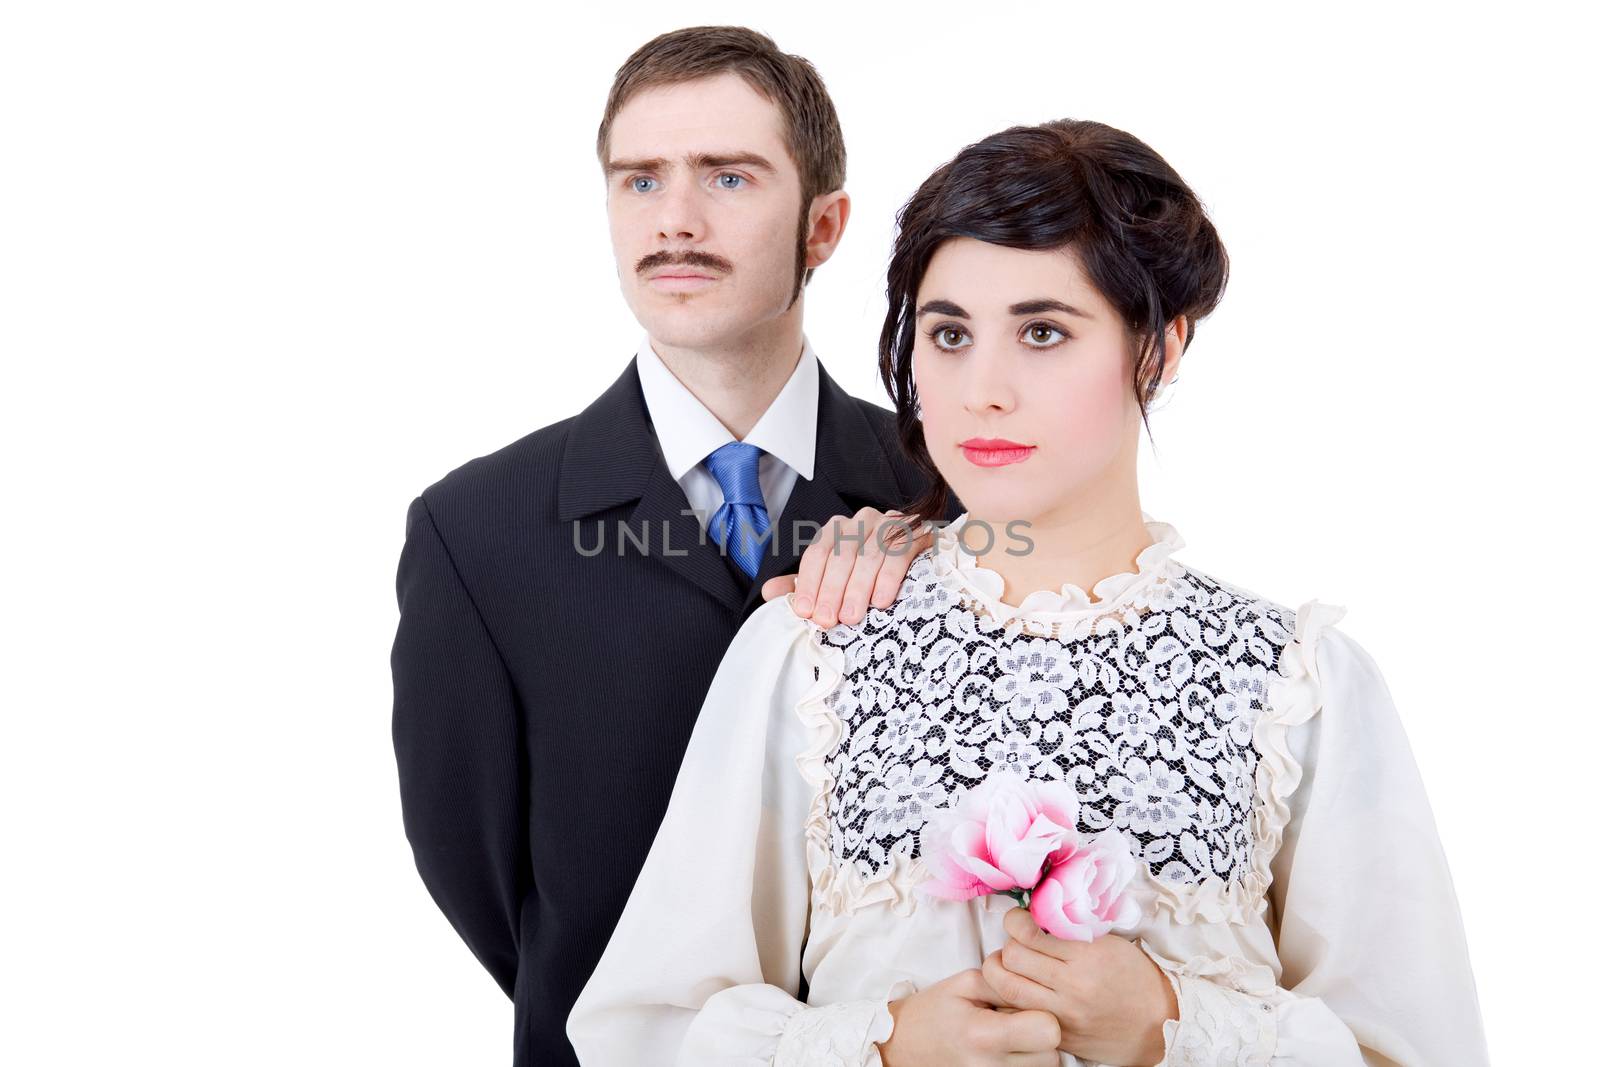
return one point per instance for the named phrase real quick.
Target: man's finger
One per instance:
(896, 562)
(863, 580)
(841, 543)
(777, 586)
(809, 578)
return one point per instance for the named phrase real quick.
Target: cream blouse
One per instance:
(1291, 878)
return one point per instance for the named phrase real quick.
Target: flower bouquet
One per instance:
(1019, 837)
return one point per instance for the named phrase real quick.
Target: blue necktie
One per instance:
(743, 513)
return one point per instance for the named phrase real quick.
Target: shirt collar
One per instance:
(688, 431)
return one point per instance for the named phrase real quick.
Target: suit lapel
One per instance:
(663, 511)
(612, 459)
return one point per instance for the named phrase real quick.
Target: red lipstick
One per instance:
(994, 451)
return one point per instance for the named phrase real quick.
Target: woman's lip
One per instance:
(996, 457)
(991, 442)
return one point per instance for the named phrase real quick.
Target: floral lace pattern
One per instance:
(1227, 1011)
(1218, 1027)
(1147, 706)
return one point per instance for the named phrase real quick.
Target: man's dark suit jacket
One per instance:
(543, 699)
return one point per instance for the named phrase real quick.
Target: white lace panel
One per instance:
(1147, 711)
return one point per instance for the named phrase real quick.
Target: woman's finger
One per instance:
(1031, 964)
(1018, 991)
(1028, 1031)
(1050, 1058)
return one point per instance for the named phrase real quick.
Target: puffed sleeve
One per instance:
(1363, 909)
(704, 967)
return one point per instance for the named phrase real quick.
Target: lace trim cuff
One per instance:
(1218, 1027)
(838, 1035)
(1227, 1012)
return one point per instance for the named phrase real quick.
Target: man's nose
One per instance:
(680, 217)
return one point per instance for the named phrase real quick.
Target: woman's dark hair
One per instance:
(1138, 229)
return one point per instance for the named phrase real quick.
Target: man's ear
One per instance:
(829, 214)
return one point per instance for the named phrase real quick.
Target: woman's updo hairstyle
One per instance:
(1140, 232)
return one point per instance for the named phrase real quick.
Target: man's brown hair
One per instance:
(810, 124)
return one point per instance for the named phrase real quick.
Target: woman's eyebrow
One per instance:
(1026, 307)
(942, 307)
(1034, 307)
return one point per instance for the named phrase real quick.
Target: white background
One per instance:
(267, 270)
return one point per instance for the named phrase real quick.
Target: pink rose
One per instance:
(1082, 895)
(999, 836)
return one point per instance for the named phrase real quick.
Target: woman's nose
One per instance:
(989, 387)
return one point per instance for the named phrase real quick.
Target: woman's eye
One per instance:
(948, 337)
(639, 183)
(1040, 334)
(724, 179)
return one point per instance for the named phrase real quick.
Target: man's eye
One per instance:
(725, 179)
(639, 183)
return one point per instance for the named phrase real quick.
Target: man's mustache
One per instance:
(704, 260)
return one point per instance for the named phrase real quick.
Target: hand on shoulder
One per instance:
(856, 561)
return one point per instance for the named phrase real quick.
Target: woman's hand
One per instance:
(954, 1023)
(1108, 996)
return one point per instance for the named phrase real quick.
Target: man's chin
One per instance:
(675, 337)
(689, 327)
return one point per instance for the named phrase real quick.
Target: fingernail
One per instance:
(852, 611)
(802, 604)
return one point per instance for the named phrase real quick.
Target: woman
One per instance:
(1293, 903)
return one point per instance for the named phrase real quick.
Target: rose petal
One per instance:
(1059, 801)
(997, 880)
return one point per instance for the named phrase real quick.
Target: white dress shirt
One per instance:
(688, 432)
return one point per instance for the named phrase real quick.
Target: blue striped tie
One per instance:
(744, 510)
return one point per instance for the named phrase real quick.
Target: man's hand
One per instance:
(1108, 996)
(856, 561)
(960, 1022)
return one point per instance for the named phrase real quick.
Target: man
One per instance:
(566, 600)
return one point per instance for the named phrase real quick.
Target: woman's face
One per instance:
(1019, 348)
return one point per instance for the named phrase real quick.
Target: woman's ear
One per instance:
(1177, 336)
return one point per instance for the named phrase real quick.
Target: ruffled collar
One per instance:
(953, 560)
